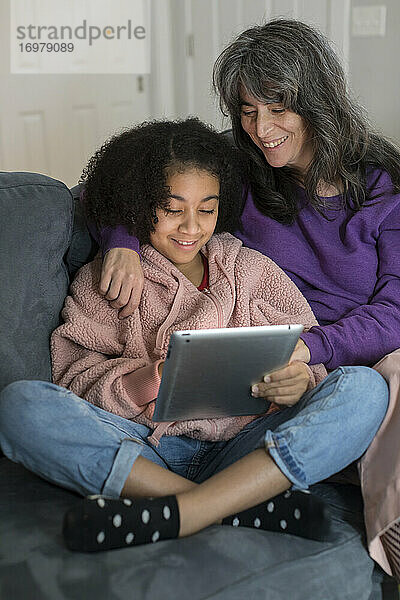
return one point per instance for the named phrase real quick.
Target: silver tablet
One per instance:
(209, 372)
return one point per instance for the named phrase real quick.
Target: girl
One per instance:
(178, 186)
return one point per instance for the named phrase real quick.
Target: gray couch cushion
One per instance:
(36, 215)
(83, 248)
(37, 233)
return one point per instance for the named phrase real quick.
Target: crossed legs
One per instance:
(248, 482)
(78, 446)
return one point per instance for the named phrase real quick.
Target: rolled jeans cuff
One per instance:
(276, 446)
(128, 452)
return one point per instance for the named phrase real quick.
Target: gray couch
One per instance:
(42, 243)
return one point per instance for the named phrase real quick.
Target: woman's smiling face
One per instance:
(280, 133)
(189, 220)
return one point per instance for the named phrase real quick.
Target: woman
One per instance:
(324, 203)
(176, 184)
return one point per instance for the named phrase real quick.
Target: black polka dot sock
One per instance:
(294, 512)
(98, 523)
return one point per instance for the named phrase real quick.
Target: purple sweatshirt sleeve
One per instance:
(114, 237)
(370, 331)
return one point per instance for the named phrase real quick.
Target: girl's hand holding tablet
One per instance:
(284, 387)
(301, 352)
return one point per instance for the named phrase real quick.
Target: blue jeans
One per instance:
(81, 447)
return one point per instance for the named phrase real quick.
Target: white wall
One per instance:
(375, 70)
(187, 35)
(52, 124)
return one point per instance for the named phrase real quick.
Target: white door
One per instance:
(53, 123)
(204, 27)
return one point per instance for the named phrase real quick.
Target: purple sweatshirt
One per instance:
(347, 267)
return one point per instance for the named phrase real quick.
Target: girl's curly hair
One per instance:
(126, 179)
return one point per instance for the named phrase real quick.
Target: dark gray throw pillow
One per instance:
(83, 247)
(36, 217)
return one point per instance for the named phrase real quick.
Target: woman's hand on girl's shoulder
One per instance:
(122, 279)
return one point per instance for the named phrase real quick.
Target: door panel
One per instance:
(53, 123)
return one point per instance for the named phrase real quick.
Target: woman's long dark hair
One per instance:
(289, 62)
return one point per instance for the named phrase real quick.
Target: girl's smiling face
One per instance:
(189, 220)
(280, 133)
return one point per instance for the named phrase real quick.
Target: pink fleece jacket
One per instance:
(113, 363)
